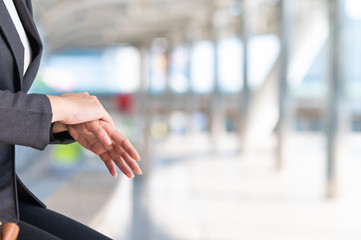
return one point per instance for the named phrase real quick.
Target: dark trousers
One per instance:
(41, 223)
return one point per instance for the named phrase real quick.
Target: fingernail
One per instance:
(107, 141)
(131, 175)
(140, 171)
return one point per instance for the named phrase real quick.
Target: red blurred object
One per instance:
(125, 102)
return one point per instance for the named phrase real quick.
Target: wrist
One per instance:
(57, 109)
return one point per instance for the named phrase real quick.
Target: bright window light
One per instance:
(158, 72)
(230, 52)
(179, 82)
(202, 70)
(353, 9)
(263, 52)
(127, 71)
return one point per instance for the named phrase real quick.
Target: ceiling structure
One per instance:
(99, 23)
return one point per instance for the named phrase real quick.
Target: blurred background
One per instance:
(246, 113)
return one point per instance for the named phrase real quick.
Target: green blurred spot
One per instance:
(66, 155)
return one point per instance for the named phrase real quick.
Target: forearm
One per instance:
(76, 108)
(56, 103)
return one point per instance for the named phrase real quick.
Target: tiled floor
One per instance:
(232, 196)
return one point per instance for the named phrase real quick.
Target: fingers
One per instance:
(120, 140)
(78, 133)
(124, 162)
(126, 145)
(123, 167)
(99, 132)
(111, 146)
(86, 138)
(109, 164)
(131, 162)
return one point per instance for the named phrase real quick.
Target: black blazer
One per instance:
(25, 119)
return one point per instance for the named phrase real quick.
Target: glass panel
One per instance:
(74, 71)
(353, 48)
(230, 52)
(158, 66)
(158, 72)
(179, 63)
(127, 70)
(202, 69)
(263, 53)
(113, 70)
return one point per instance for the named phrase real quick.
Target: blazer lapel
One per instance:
(35, 43)
(13, 40)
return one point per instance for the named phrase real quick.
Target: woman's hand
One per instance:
(104, 140)
(75, 108)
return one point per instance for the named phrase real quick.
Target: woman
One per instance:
(35, 120)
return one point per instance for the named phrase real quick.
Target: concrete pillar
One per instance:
(144, 114)
(336, 9)
(217, 112)
(245, 97)
(140, 225)
(190, 100)
(168, 94)
(141, 222)
(286, 18)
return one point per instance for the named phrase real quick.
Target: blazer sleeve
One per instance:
(25, 119)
